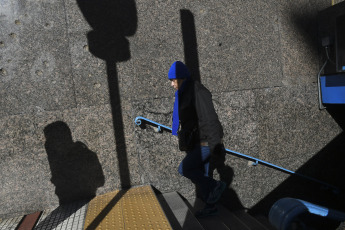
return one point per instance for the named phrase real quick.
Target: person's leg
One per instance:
(205, 157)
(195, 167)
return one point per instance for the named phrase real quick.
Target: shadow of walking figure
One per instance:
(230, 199)
(76, 170)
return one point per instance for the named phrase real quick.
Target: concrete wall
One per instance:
(74, 74)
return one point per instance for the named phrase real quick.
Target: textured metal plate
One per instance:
(136, 208)
(10, 224)
(65, 217)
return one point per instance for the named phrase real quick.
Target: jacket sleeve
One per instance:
(208, 119)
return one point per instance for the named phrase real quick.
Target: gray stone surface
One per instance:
(290, 124)
(35, 62)
(243, 41)
(238, 106)
(61, 61)
(157, 152)
(89, 73)
(298, 34)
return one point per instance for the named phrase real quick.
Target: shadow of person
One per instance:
(229, 198)
(76, 170)
(76, 173)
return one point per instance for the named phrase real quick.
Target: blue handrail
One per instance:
(137, 121)
(256, 161)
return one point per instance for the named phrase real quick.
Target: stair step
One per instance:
(169, 213)
(250, 221)
(211, 222)
(234, 220)
(264, 221)
(184, 217)
(225, 217)
(231, 220)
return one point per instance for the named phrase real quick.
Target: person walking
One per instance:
(200, 134)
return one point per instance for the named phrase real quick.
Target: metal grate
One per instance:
(69, 216)
(10, 224)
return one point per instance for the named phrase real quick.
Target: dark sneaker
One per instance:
(207, 211)
(217, 192)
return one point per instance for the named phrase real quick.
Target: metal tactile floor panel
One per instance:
(10, 224)
(69, 216)
(136, 208)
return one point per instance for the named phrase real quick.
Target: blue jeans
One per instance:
(195, 166)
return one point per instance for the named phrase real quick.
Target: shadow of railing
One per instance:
(75, 169)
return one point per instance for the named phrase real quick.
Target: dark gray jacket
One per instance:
(196, 110)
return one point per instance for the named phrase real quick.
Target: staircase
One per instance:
(180, 213)
(136, 208)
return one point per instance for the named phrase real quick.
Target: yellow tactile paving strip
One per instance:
(133, 209)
